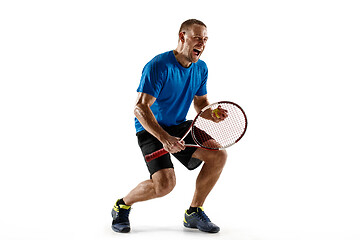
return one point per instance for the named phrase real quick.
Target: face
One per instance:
(194, 42)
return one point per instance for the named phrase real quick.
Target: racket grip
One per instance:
(155, 154)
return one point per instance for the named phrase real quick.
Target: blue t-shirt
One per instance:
(173, 86)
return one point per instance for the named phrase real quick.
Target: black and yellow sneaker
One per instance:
(200, 221)
(120, 215)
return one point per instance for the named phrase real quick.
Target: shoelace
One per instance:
(123, 215)
(203, 216)
(126, 211)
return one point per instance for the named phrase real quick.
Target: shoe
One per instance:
(120, 215)
(200, 221)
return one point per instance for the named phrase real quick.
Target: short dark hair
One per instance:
(185, 25)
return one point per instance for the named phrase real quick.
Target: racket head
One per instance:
(219, 135)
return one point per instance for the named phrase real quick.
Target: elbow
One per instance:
(139, 111)
(136, 110)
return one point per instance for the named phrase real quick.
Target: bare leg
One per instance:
(162, 183)
(214, 162)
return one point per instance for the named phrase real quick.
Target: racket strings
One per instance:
(212, 135)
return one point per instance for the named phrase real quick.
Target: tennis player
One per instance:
(170, 82)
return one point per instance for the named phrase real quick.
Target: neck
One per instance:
(181, 58)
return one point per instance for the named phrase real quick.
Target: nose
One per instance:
(202, 41)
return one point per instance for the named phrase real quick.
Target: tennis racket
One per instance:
(211, 133)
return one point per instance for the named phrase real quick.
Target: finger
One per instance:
(224, 115)
(222, 109)
(179, 146)
(182, 144)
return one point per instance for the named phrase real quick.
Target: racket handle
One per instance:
(155, 154)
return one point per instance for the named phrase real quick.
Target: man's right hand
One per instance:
(173, 144)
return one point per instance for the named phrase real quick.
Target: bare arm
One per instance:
(147, 119)
(202, 101)
(199, 103)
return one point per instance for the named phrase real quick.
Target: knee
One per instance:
(165, 187)
(222, 157)
(165, 184)
(218, 158)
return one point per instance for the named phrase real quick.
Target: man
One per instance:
(170, 82)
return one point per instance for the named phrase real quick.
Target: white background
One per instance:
(69, 72)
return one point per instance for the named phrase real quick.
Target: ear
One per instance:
(182, 37)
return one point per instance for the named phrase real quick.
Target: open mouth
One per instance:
(196, 52)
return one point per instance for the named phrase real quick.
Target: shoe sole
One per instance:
(123, 230)
(187, 225)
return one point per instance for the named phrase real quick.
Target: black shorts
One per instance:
(149, 144)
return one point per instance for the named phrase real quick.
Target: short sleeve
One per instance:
(151, 79)
(202, 89)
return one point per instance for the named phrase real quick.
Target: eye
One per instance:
(200, 38)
